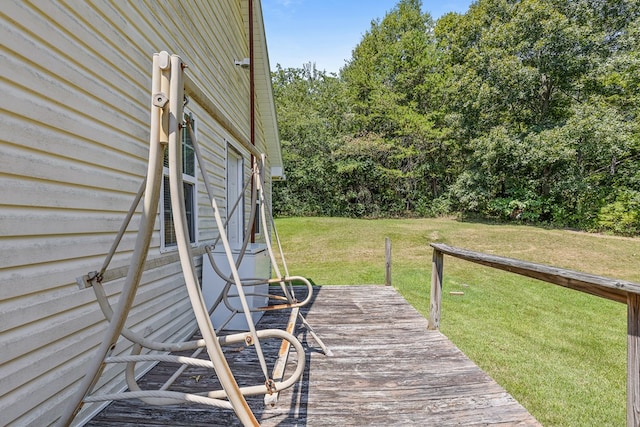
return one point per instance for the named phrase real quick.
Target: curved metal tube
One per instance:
(162, 399)
(135, 337)
(295, 303)
(166, 125)
(289, 294)
(274, 262)
(223, 371)
(172, 396)
(229, 278)
(278, 385)
(228, 253)
(145, 231)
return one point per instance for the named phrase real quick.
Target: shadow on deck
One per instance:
(387, 369)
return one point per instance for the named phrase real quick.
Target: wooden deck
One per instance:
(387, 369)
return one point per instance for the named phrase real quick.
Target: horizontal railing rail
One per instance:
(612, 289)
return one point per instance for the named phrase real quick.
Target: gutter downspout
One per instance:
(252, 101)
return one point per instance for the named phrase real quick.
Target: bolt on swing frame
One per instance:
(167, 104)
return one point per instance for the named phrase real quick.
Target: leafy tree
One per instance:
(394, 84)
(542, 135)
(517, 109)
(310, 109)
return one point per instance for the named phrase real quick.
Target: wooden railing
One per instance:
(616, 290)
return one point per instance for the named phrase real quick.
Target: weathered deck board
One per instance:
(387, 369)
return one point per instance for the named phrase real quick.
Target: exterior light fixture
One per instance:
(243, 63)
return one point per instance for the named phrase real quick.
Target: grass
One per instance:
(560, 353)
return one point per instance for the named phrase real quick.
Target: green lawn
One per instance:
(560, 353)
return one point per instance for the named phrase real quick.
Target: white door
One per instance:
(235, 226)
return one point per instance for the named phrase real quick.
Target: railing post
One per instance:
(633, 359)
(435, 305)
(387, 251)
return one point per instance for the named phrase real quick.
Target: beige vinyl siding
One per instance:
(75, 83)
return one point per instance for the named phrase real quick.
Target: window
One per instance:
(168, 234)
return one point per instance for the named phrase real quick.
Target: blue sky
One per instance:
(326, 31)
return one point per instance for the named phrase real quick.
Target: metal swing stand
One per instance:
(288, 300)
(168, 82)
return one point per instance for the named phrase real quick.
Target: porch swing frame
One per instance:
(168, 88)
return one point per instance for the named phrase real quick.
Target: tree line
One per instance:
(517, 109)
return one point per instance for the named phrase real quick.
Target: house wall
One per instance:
(75, 88)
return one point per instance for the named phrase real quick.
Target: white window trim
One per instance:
(193, 180)
(241, 154)
(246, 156)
